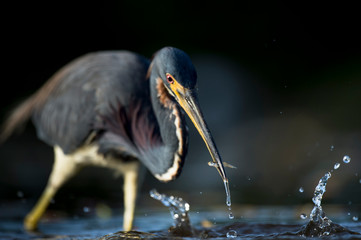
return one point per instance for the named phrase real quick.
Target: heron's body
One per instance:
(115, 109)
(104, 99)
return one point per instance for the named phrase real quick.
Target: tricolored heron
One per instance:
(115, 109)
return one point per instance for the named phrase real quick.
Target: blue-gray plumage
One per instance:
(113, 109)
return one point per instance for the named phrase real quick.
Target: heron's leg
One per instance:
(64, 167)
(130, 194)
(31, 220)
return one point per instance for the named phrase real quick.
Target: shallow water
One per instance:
(250, 222)
(244, 222)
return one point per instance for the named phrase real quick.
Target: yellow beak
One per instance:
(188, 101)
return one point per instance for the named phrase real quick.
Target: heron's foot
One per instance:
(31, 222)
(127, 226)
(32, 219)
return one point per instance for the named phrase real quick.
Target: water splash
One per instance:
(301, 190)
(319, 191)
(319, 224)
(231, 234)
(179, 211)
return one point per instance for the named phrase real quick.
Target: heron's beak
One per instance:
(189, 102)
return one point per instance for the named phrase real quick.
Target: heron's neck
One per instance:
(172, 127)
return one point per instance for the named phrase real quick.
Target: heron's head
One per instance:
(176, 70)
(179, 77)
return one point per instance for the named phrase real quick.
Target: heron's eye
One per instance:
(169, 78)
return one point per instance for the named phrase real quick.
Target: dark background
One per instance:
(279, 83)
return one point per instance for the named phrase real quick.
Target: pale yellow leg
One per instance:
(32, 219)
(64, 167)
(130, 195)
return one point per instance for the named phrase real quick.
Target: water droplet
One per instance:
(355, 218)
(348, 214)
(175, 216)
(303, 216)
(360, 180)
(301, 190)
(20, 194)
(336, 166)
(346, 159)
(154, 194)
(332, 148)
(231, 216)
(228, 193)
(249, 178)
(232, 234)
(86, 209)
(186, 206)
(200, 193)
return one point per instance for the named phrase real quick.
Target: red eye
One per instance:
(169, 79)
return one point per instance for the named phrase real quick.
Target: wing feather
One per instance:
(88, 90)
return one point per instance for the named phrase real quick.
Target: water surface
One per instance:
(177, 221)
(250, 222)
